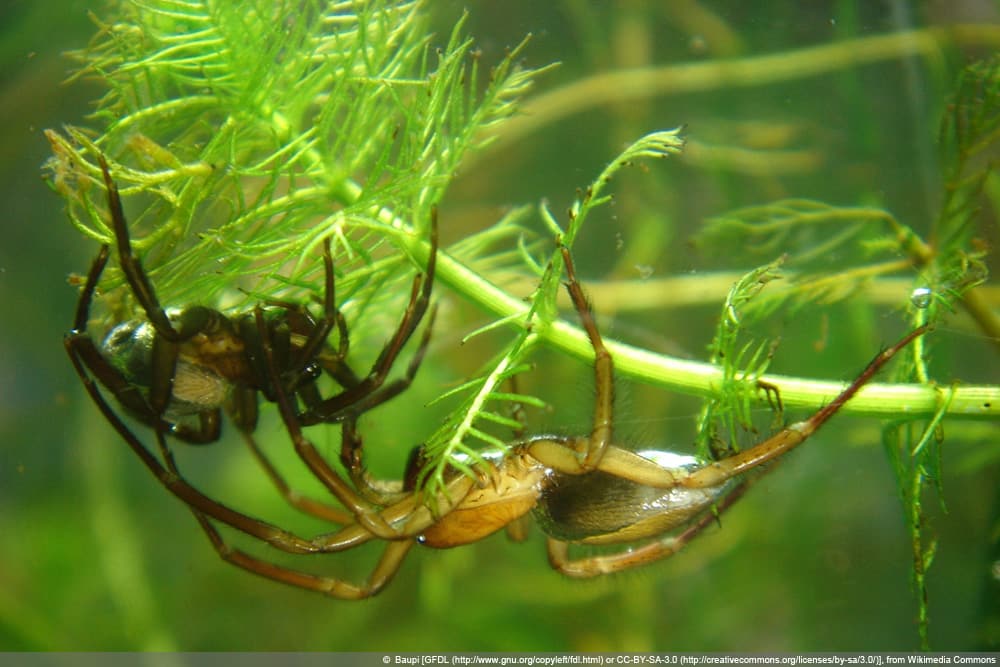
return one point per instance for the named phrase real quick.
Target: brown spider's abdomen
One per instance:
(208, 364)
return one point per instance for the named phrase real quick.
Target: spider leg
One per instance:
(388, 564)
(364, 512)
(243, 412)
(166, 343)
(315, 347)
(332, 409)
(378, 491)
(351, 454)
(594, 566)
(131, 397)
(127, 394)
(718, 472)
(177, 485)
(413, 516)
(130, 264)
(604, 382)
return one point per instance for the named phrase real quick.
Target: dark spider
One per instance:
(176, 370)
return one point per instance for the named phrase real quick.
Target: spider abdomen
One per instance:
(600, 508)
(207, 364)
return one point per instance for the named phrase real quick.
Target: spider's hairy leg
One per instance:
(243, 412)
(206, 509)
(80, 356)
(370, 392)
(718, 472)
(602, 431)
(364, 512)
(169, 335)
(388, 563)
(131, 266)
(352, 443)
(387, 566)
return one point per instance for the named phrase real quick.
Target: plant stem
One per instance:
(647, 82)
(702, 379)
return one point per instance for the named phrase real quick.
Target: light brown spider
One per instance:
(581, 490)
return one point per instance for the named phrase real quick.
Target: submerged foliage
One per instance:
(243, 134)
(251, 131)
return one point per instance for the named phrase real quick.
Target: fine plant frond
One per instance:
(810, 233)
(915, 454)
(949, 262)
(952, 266)
(230, 191)
(242, 134)
(742, 366)
(969, 135)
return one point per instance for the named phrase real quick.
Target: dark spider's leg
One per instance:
(165, 344)
(131, 397)
(127, 394)
(719, 472)
(331, 409)
(376, 491)
(351, 454)
(131, 267)
(594, 566)
(364, 512)
(175, 484)
(387, 565)
(317, 332)
(413, 517)
(82, 351)
(243, 412)
(387, 392)
(385, 569)
(331, 314)
(168, 339)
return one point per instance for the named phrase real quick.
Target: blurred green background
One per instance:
(95, 555)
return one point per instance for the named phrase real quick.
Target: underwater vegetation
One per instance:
(825, 186)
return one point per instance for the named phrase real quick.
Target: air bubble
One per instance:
(921, 297)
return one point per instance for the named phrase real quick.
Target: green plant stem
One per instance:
(646, 82)
(691, 377)
(982, 308)
(710, 288)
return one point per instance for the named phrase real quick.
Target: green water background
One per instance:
(94, 555)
